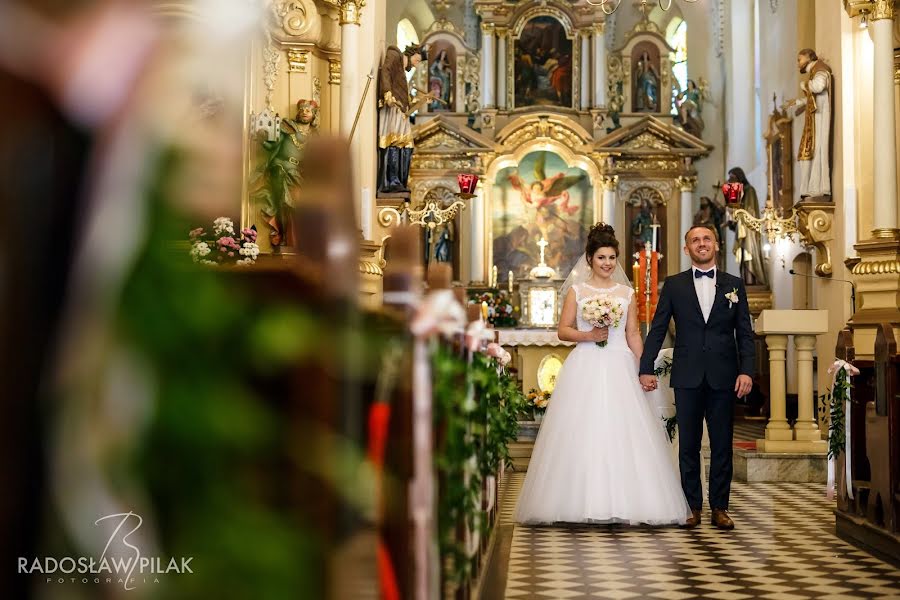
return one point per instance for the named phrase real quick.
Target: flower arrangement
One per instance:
(602, 311)
(222, 247)
(500, 310)
(538, 400)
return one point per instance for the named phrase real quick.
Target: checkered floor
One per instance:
(783, 547)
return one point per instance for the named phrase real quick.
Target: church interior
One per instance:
(293, 314)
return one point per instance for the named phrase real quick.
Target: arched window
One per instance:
(406, 36)
(676, 35)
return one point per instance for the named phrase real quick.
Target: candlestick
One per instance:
(509, 280)
(494, 277)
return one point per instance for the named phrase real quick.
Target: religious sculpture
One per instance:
(277, 180)
(711, 214)
(395, 140)
(641, 225)
(814, 154)
(748, 243)
(647, 79)
(439, 242)
(440, 81)
(690, 105)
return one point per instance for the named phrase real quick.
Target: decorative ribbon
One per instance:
(835, 370)
(476, 334)
(439, 312)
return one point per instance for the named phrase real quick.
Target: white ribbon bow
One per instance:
(835, 370)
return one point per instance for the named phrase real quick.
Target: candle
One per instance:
(494, 277)
(636, 275)
(484, 309)
(510, 281)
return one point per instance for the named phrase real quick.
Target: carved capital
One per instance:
(488, 28)
(884, 9)
(297, 60)
(351, 11)
(855, 8)
(609, 183)
(686, 183)
(334, 71)
(815, 220)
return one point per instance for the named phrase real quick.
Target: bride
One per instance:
(602, 454)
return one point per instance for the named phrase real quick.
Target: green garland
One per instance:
(833, 402)
(671, 422)
(481, 429)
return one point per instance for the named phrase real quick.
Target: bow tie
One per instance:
(698, 273)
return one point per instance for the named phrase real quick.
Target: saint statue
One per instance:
(748, 243)
(815, 105)
(712, 215)
(641, 230)
(690, 105)
(395, 139)
(278, 178)
(647, 79)
(439, 242)
(440, 82)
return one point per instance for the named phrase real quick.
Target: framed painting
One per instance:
(779, 158)
(543, 64)
(541, 197)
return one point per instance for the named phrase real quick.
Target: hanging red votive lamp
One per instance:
(467, 183)
(733, 193)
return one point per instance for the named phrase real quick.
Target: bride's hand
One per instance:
(599, 334)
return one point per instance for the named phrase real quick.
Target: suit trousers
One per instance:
(717, 407)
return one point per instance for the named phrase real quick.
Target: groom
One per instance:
(713, 363)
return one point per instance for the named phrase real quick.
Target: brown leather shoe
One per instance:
(721, 519)
(693, 520)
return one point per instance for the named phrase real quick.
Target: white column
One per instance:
(476, 213)
(585, 71)
(501, 68)
(487, 65)
(610, 184)
(882, 23)
(350, 93)
(686, 185)
(600, 77)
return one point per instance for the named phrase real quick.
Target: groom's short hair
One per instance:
(707, 227)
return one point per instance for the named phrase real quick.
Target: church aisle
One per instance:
(784, 547)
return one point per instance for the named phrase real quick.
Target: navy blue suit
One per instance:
(709, 356)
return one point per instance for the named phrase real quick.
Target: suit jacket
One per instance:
(718, 349)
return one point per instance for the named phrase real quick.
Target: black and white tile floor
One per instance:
(783, 547)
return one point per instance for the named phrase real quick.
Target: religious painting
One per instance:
(442, 76)
(646, 90)
(778, 150)
(540, 198)
(644, 208)
(543, 64)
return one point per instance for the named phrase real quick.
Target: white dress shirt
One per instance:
(706, 290)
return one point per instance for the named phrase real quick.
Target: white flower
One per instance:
(199, 250)
(223, 224)
(732, 297)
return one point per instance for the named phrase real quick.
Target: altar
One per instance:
(538, 355)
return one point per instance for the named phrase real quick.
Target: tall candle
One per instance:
(636, 275)
(510, 282)
(494, 277)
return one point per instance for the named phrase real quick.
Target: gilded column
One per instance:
(778, 429)
(501, 67)
(600, 66)
(686, 185)
(610, 184)
(487, 65)
(585, 71)
(476, 213)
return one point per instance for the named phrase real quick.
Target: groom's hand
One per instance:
(743, 385)
(648, 382)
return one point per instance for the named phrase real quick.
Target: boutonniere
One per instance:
(732, 297)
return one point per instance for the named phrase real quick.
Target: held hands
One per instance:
(648, 382)
(743, 385)
(598, 334)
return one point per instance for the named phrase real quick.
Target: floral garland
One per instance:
(671, 422)
(500, 309)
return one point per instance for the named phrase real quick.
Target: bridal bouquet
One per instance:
(603, 311)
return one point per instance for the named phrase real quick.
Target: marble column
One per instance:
(487, 65)
(686, 185)
(806, 428)
(476, 213)
(584, 102)
(610, 184)
(778, 428)
(351, 91)
(885, 205)
(501, 67)
(599, 66)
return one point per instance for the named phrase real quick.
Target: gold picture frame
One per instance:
(779, 153)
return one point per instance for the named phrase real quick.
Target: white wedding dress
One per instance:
(602, 454)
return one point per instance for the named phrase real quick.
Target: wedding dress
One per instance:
(602, 454)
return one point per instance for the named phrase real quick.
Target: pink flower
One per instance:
(231, 254)
(249, 233)
(195, 233)
(227, 242)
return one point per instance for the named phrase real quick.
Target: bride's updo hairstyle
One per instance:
(601, 235)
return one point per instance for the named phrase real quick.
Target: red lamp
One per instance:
(467, 183)
(733, 193)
